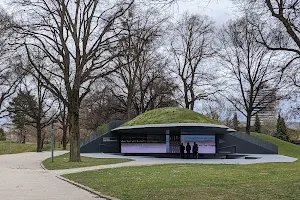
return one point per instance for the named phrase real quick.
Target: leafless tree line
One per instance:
(93, 61)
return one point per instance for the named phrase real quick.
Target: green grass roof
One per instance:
(170, 115)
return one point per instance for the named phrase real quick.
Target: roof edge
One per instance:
(171, 125)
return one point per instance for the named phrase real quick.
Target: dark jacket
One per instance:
(188, 148)
(195, 148)
(182, 148)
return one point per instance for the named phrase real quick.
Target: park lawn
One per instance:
(62, 162)
(190, 181)
(21, 148)
(16, 147)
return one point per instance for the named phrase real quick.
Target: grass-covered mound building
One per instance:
(162, 131)
(170, 116)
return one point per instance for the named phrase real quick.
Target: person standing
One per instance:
(195, 150)
(188, 150)
(182, 148)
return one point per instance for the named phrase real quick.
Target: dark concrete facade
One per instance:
(103, 141)
(243, 143)
(227, 141)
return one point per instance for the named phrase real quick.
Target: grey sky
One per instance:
(219, 10)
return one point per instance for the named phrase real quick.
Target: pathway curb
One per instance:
(86, 188)
(79, 185)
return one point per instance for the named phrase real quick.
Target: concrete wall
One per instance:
(100, 146)
(227, 143)
(244, 143)
(108, 143)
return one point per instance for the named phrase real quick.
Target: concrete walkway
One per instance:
(118, 165)
(22, 177)
(148, 160)
(260, 158)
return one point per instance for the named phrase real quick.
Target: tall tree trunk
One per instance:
(186, 98)
(128, 110)
(73, 111)
(192, 106)
(129, 103)
(64, 137)
(64, 122)
(192, 103)
(248, 124)
(42, 143)
(21, 135)
(43, 140)
(39, 138)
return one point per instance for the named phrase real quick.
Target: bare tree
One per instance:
(288, 16)
(191, 47)
(143, 29)
(78, 41)
(34, 104)
(212, 109)
(105, 104)
(9, 77)
(155, 89)
(101, 106)
(278, 25)
(64, 123)
(219, 109)
(253, 78)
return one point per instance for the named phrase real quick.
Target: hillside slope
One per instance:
(284, 148)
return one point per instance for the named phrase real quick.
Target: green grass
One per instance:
(16, 147)
(21, 148)
(62, 162)
(169, 115)
(267, 181)
(103, 127)
(284, 148)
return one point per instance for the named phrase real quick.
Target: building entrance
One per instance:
(174, 143)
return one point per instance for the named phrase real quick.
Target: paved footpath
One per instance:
(110, 166)
(147, 160)
(22, 178)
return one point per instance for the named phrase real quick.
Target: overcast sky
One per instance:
(219, 10)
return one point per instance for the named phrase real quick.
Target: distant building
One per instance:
(266, 104)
